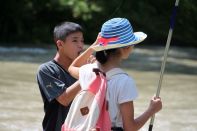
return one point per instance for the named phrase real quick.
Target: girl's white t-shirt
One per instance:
(121, 88)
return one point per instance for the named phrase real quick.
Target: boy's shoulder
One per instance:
(46, 64)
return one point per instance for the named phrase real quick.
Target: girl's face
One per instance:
(125, 52)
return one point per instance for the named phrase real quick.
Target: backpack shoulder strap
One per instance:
(97, 71)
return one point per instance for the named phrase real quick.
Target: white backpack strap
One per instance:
(110, 74)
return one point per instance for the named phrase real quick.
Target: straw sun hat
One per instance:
(116, 33)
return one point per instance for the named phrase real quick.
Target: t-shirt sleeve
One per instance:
(128, 91)
(49, 84)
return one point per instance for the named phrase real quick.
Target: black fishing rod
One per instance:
(172, 22)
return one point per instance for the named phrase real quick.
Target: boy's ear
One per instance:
(59, 43)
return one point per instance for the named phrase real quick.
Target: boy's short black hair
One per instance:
(62, 30)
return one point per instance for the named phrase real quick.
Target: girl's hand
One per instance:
(97, 40)
(155, 104)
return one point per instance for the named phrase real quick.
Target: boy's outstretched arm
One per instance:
(81, 60)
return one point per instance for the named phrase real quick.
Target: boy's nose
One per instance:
(81, 45)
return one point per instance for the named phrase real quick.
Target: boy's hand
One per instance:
(91, 59)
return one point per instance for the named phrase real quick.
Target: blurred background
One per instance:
(30, 22)
(26, 41)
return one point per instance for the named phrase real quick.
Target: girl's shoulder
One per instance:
(116, 72)
(118, 75)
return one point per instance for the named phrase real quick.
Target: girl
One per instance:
(114, 44)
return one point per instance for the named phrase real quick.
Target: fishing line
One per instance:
(117, 9)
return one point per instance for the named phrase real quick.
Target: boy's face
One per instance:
(73, 45)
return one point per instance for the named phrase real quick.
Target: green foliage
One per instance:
(80, 8)
(186, 22)
(32, 21)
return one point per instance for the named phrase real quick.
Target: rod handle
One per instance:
(150, 128)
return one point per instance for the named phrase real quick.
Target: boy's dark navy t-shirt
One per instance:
(53, 81)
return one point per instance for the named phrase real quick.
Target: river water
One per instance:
(21, 104)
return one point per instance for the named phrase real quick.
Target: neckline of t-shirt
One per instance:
(59, 65)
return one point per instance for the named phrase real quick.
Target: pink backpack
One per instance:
(88, 110)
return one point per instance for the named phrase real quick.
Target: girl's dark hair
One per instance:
(103, 56)
(62, 30)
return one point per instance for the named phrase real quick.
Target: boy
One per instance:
(57, 86)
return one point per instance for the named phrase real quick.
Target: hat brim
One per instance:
(140, 36)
